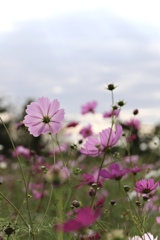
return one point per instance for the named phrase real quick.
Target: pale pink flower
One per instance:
(135, 123)
(21, 152)
(146, 236)
(106, 139)
(43, 117)
(89, 107)
(158, 220)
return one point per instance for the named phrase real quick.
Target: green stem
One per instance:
(49, 201)
(14, 207)
(22, 173)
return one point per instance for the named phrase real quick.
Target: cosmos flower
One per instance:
(106, 138)
(146, 186)
(89, 107)
(114, 172)
(21, 152)
(72, 124)
(86, 131)
(111, 113)
(43, 117)
(135, 123)
(85, 217)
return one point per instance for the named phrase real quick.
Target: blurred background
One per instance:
(70, 50)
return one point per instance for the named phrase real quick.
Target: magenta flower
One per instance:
(89, 107)
(89, 179)
(85, 217)
(114, 172)
(43, 117)
(146, 186)
(86, 131)
(111, 113)
(72, 124)
(107, 138)
(134, 170)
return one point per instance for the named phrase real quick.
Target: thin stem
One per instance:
(49, 201)
(14, 207)
(22, 173)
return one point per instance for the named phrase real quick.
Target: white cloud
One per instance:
(57, 90)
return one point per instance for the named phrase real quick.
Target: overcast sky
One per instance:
(70, 50)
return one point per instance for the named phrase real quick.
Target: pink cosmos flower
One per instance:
(111, 113)
(114, 172)
(146, 186)
(158, 220)
(134, 170)
(85, 217)
(43, 117)
(86, 131)
(133, 123)
(131, 159)
(107, 138)
(89, 179)
(72, 124)
(22, 152)
(89, 107)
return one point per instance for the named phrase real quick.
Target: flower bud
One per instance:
(111, 87)
(138, 203)
(92, 192)
(76, 204)
(121, 103)
(112, 202)
(126, 188)
(135, 112)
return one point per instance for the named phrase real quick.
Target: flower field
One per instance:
(103, 185)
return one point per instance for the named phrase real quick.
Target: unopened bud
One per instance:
(112, 202)
(126, 188)
(76, 204)
(92, 192)
(114, 107)
(121, 103)
(145, 197)
(138, 203)
(111, 87)
(135, 112)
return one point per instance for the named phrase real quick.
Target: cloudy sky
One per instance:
(70, 50)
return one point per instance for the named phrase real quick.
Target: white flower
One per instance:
(146, 236)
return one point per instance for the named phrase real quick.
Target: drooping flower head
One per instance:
(89, 107)
(106, 139)
(85, 217)
(146, 186)
(43, 117)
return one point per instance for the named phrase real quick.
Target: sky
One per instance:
(70, 50)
